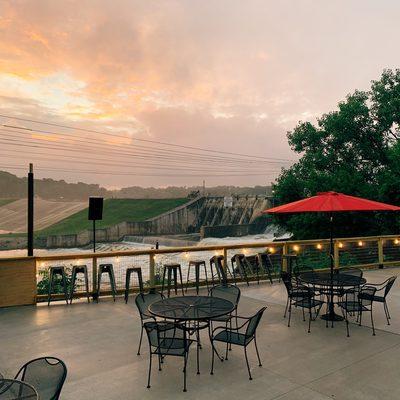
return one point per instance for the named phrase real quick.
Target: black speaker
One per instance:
(95, 208)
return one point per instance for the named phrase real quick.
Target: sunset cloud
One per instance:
(228, 74)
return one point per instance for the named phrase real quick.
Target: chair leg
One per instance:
(290, 312)
(184, 373)
(187, 278)
(258, 354)
(197, 352)
(159, 362)
(180, 277)
(127, 279)
(163, 281)
(73, 280)
(197, 273)
(309, 320)
(247, 362)
(372, 323)
(286, 308)
(140, 341)
(98, 286)
(140, 278)
(50, 287)
(65, 287)
(385, 307)
(112, 281)
(169, 282)
(87, 285)
(205, 273)
(148, 379)
(212, 358)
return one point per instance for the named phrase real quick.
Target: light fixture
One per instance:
(340, 245)
(296, 247)
(319, 246)
(396, 241)
(360, 243)
(271, 250)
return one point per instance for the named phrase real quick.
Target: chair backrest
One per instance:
(264, 262)
(351, 271)
(366, 295)
(143, 300)
(217, 262)
(162, 334)
(287, 281)
(227, 292)
(254, 321)
(46, 374)
(389, 284)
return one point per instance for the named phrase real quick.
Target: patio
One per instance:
(98, 342)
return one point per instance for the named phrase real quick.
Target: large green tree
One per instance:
(354, 150)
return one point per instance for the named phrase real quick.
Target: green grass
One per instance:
(114, 212)
(3, 202)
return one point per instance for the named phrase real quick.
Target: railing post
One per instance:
(381, 257)
(336, 257)
(285, 251)
(152, 269)
(225, 259)
(94, 278)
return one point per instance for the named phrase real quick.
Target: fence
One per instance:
(362, 252)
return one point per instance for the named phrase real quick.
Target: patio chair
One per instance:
(384, 287)
(241, 335)
(143, 301)
(232, 294)
(357, 302)
(167, 340)
(46, 374)
(265, 265)
(217, 263)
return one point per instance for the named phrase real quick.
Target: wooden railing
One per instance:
(20, 277)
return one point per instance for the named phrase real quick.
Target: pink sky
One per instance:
(229, 75)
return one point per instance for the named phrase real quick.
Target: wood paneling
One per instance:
(17, 282)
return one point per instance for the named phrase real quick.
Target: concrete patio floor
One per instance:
(98, 342)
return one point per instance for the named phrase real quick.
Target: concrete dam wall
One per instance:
(201, 212)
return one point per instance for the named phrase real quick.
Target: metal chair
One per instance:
(46, 374)
(166, 340)
(385, 287)
(53, 272)
(197, 264)
(12, 389)
(172, 269)
(79, 269)
(299, 296)
(106, 269)
(265, 264)
(217, 263)
(129, 272)
(239, 267)
(143, 301)
(358, 302)
(241, 335)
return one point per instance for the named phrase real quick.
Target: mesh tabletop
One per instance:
(11, 389)
(185, 308)
(339, 279)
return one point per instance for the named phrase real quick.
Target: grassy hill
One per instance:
(114, 212)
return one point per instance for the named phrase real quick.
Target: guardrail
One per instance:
(16, 273)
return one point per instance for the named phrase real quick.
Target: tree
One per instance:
(354, 150)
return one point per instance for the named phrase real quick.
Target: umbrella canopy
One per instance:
(331, 202)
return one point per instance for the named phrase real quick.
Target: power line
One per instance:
(140, 140)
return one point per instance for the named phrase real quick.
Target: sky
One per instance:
(224, 80)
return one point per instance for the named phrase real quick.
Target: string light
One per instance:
(340, 245)
(296, 247)
(272, 250)
(396, 241)
(360, 243)
(319, 246)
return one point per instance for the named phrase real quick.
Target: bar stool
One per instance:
(79, 269)
(197, 264)
(172, 269)
(129, 272)
(53, 272)
(217, 262)
(106, 269)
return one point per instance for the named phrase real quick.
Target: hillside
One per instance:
(115, 211)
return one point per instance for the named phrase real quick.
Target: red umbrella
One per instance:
(331, 202)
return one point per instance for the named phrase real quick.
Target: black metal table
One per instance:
(191, 308)
(12, 389)
(331, 284)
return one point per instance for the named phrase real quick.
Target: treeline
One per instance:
(13, 187)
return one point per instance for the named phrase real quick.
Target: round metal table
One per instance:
(331, 285)
(191, 308)
(12, 389)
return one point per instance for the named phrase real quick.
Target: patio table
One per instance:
(331, 285)
(12, 389)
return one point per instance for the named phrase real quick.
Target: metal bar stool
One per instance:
(197, 264)
(172, 269)
(106, 269)
(129, 272)
(79, 269)
(217, 262)
(53, 272)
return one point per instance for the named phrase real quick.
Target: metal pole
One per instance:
(30, 210)
(94, 236)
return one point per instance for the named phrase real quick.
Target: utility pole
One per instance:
(30, 210)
